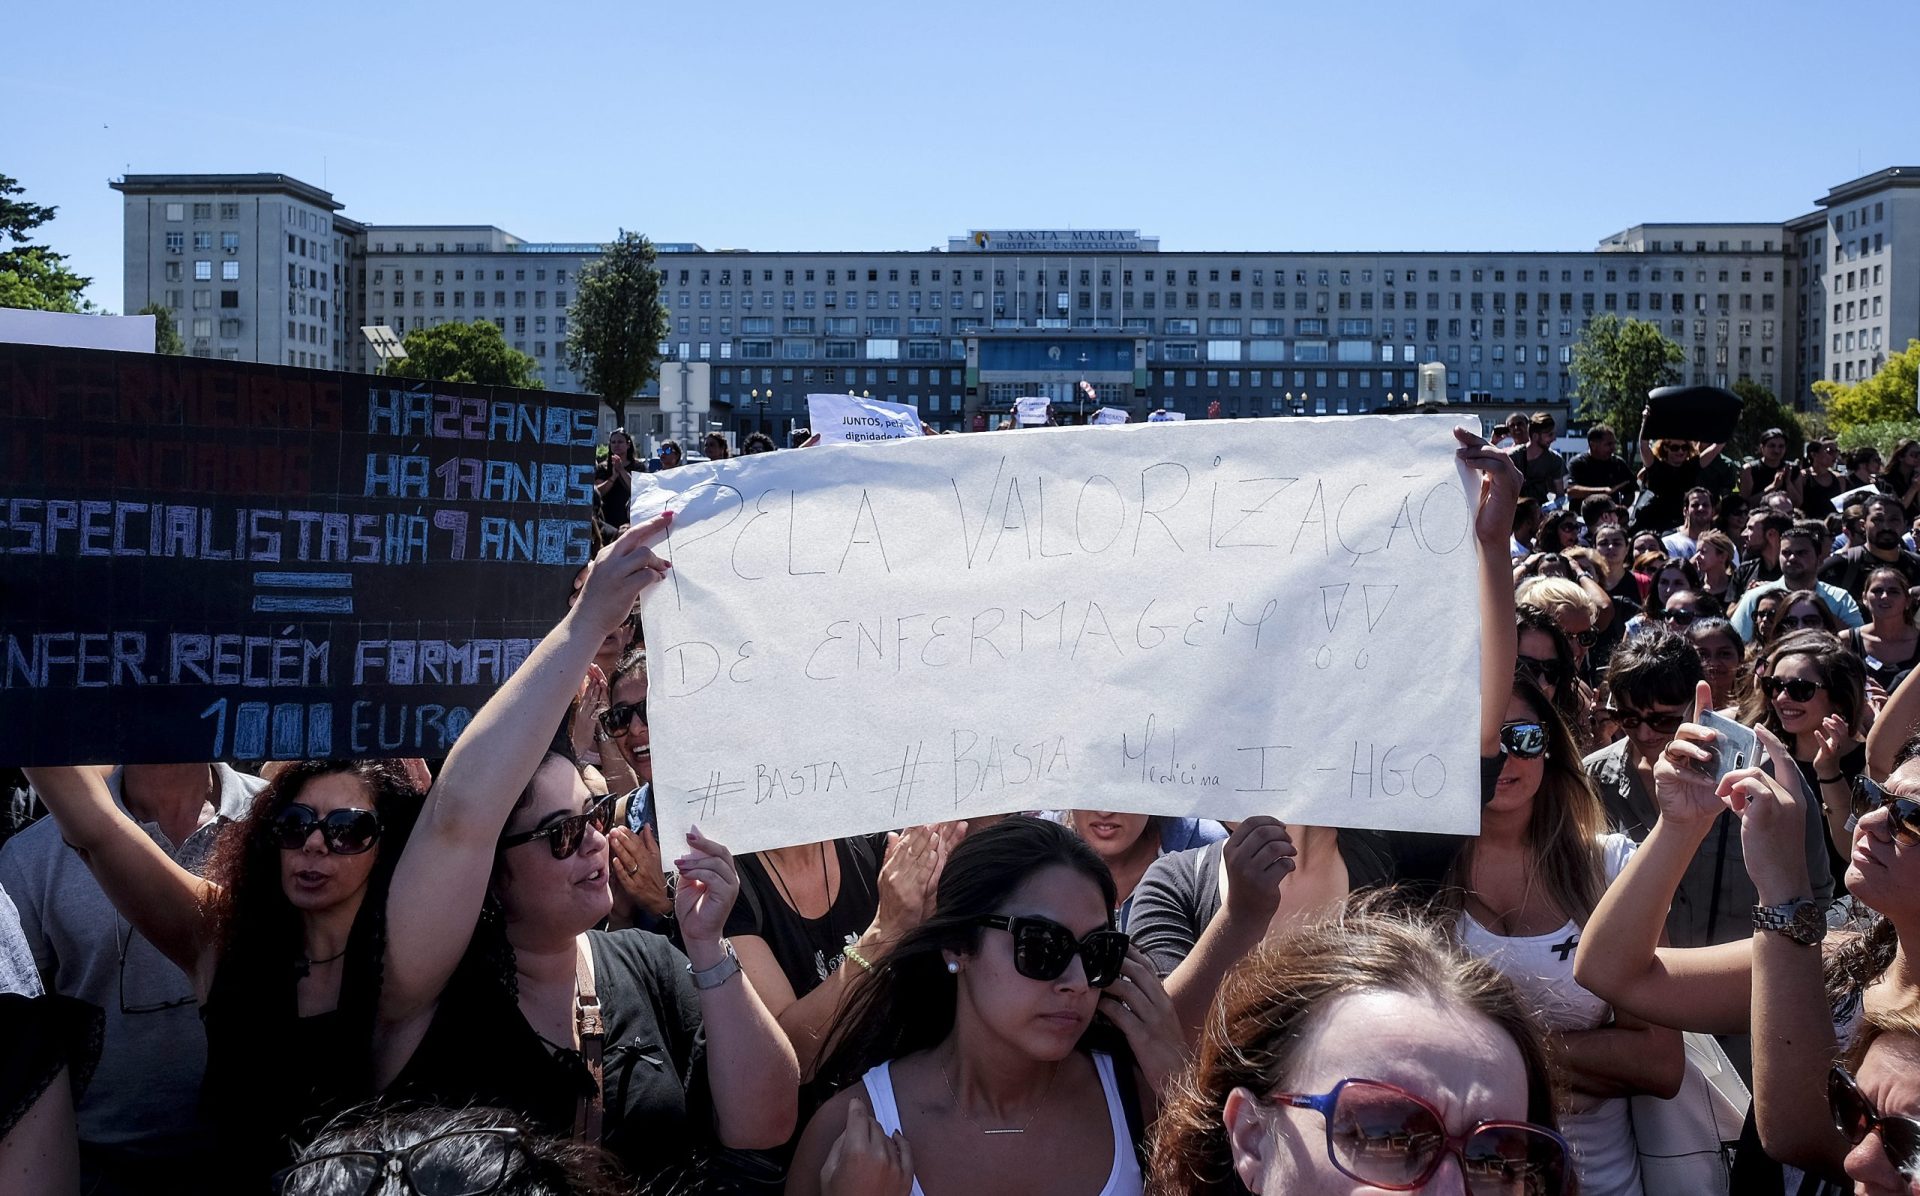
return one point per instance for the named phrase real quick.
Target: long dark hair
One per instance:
(258, 931)
(1271, 1002)
(906, 1003)
(1842, 672)
(1564, 828)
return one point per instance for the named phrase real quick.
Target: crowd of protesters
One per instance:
(1673, 959)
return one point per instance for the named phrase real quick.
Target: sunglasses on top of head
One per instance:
(1797, 689)
(565, 835)
(346, 831)
(1903, 813)
(1383, 1136)
(1042, 949)
(1855, 1117)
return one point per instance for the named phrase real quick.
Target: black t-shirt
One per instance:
(1180, 893)
(612, 504)
(1668, 486)
(1850, 567)
(1816, 497)
(1539, 474)
(658, 1115)
(1589, 470)
(808, 949)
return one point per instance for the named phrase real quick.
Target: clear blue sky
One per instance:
(888, 125)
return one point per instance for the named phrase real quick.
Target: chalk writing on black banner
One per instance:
(216, 560)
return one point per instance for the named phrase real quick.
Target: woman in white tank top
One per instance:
(964, 1058)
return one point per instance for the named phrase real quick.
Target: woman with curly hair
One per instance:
(284, 937)
(1365, 1053)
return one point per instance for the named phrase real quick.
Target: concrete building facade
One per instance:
(960, 332)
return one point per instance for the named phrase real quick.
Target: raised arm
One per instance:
(1492, 528)
(1646, 446)
(1898, 719)
(164, 902)
(751, 1068)
(908, 878)
(1258, 856)
(1620, 958)
(441, 879)
(1793, 1040)
(1710, 454)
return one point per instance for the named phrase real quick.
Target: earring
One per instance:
(953, 967)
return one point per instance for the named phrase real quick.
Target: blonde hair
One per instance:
(1555, 594)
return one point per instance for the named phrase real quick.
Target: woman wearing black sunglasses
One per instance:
(1800, 988)
(1364, 1054)
(1523, 891)
(500, 992)
(1812, 694)
(284, 938)
(965, 1056)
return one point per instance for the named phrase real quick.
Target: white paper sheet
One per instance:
(842, 418)
(1212, 618)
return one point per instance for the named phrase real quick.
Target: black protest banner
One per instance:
(208, 560)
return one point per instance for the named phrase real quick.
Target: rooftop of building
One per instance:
(1892, 176)
(224, 184)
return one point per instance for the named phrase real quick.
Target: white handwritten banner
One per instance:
(1109, 415)
(839, 418)
(1216, 618)
(1167, 417)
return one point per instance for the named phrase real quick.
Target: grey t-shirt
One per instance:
(17, 973)
(144, 1097)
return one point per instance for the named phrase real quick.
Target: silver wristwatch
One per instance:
(1803, 920)
(719, 973)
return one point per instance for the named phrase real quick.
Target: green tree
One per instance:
(1887, 397)
(1615, 363)
(1759, 412)
(33, 276)
(458, 352)
(166, 333)
(617, 322)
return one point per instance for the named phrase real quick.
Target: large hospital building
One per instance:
(263, 267)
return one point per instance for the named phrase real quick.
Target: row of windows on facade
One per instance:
(1043, 303)
(377, 299)
(1257, 277)
(1363, 326)
(175, 241)
(460, 275)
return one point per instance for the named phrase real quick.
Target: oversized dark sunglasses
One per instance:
(1797, 689)
(459, 1163)
(345, 831)
(1586, 639)
(1528, 741)
(1855, 1117)
(1385, 1137)
(1680, 618)
(565, 836)
(1042, 949)
(1903, 813)
(1547, 674)
(1630, 719)
(615, 719)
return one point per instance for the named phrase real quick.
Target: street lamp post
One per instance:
(762, 399)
